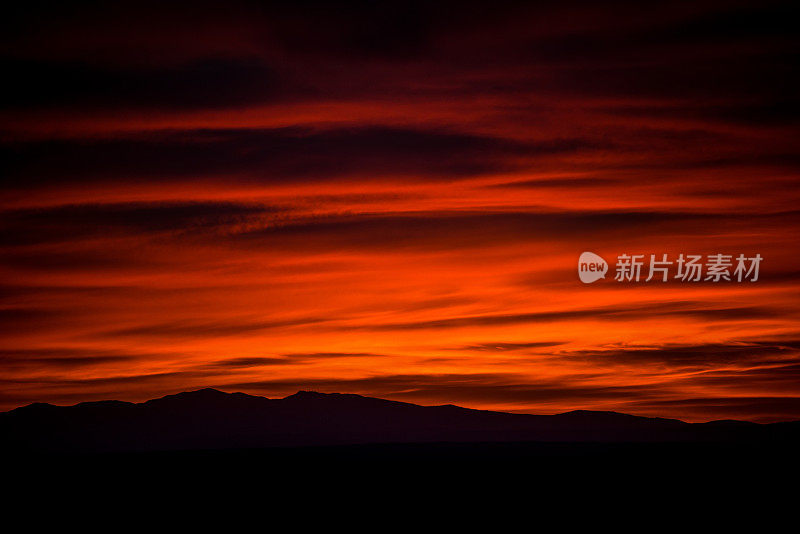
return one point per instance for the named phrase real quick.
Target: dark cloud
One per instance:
(500, 346)
(764, 78)
(743, 111)
(120, 257)
(63, 384)
(200, 85)
(315, 50)
(761, 159)
(77, 221)
(706, 355)
(274, 155)
(680, 52)
(244, 363)
(359, 29)
(208, 329)
(569, 183)
(608, 313)
(328, 355)
(20, 319)
(779, 376)
(66, 358)
(453, 230)
(286, 359)
(271, 228)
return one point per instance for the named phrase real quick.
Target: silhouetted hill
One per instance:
(210, 419)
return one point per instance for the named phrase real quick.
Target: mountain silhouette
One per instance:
(210, 419)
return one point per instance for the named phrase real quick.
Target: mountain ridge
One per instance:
(212, 419)
(209, 393)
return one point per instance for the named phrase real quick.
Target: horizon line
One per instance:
(217, 390)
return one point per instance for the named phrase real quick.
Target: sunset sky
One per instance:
(390, 199)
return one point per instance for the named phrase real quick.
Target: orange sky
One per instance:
(266, 201)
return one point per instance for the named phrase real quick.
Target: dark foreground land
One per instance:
(346, 451)
(466, 480)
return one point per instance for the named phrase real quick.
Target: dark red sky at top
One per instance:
(391, 199)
